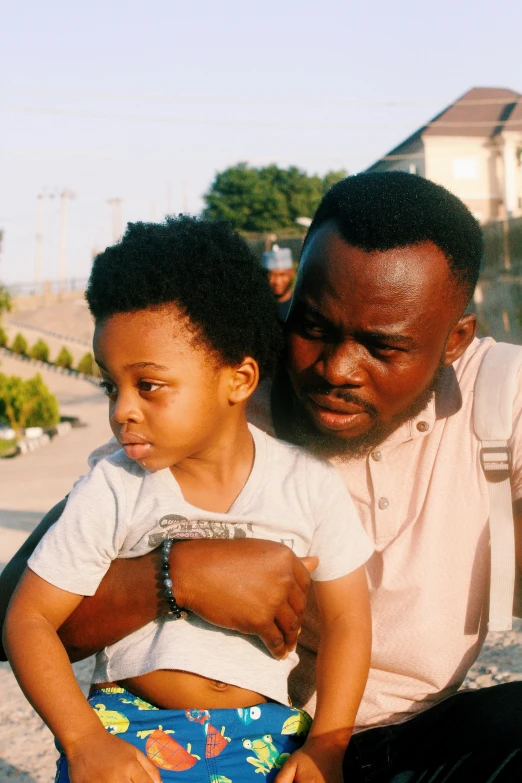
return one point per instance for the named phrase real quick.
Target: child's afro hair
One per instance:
(203, 267)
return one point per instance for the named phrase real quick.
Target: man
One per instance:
(380, 364)
(281, 277)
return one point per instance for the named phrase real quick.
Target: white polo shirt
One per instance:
(423, 500)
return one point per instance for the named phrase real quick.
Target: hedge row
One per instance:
(40, 351)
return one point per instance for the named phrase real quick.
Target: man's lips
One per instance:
(335, 404)
(335, 414)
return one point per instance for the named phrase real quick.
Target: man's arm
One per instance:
(253, 586)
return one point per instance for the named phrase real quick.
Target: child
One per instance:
(185, 325)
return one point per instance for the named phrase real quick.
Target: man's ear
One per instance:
(459, 338)
(244, 381)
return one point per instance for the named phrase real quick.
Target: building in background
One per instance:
(474, 149)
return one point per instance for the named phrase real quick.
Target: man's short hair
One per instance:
(386, 210)
(206, 270)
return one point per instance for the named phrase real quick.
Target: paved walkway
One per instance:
(29, 486)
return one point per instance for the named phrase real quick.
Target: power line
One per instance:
(253, 123)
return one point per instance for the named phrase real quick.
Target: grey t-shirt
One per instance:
(121, 510)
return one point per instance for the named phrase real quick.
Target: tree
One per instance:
(64, 359)
(19, 345)
(266, 198)
(40, 350)
(86, 364)
(3, 338)
(46, 411)
(27, 403)
(5, 301)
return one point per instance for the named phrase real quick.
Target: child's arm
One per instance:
(44, 673)
(342, 669)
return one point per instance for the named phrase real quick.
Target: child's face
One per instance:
(169, 398)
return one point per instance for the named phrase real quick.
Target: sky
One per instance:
(146, 101)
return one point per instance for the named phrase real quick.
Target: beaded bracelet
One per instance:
(175, 611)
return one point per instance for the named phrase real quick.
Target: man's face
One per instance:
(366, 339)
(281, 281)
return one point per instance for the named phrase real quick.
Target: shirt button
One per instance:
(423, 426)
(377, 456)
(383, 503)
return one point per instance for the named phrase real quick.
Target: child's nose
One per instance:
(124, 410)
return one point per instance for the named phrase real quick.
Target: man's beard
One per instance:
(302, 431)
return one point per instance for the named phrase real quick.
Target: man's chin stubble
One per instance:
(329, 446)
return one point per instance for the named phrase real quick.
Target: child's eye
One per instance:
(108, 387)
(148, 386)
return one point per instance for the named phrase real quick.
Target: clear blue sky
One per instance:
(138, 99)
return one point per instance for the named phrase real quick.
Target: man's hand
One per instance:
(249, 585)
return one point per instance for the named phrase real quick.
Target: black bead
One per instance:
(168, 592)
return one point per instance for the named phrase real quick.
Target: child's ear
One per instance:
(244, 380)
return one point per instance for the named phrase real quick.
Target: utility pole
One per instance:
(65, 195)
(116, 220)
(39, 242)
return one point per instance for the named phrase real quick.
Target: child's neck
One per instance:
(213, 479)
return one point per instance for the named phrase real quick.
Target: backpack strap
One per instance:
(495, 389)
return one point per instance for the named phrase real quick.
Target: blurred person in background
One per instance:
(281, 276)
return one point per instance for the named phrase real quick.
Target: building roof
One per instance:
(482, 111)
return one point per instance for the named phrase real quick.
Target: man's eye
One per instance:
(148, 386)
(383, 350)
(108, 387)
(311, 328)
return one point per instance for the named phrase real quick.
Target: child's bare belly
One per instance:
(177, 690)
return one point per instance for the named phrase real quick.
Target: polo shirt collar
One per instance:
(446, 401)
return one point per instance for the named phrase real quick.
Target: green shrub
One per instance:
(86, 364)
(3, 338)
(40, 350)
(19, 345)
(27, 403)
(64, 359)
(46, 412)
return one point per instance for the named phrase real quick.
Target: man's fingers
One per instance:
(302, 569)
(297, 600)
(150, 771)
(288, 623)
(273, 639)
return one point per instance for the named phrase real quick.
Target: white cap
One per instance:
(279, 258)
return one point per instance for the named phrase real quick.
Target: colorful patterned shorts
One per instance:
(207, 746)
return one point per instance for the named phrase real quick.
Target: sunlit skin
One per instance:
(173, 404)
(281, 283)
(372, 326)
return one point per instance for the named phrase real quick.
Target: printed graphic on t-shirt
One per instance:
(177, 527)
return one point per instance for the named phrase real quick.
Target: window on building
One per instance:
(465, 168)
(413, 168)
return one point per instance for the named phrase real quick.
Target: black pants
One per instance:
(472, 737)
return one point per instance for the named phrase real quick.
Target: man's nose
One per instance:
(342, 365)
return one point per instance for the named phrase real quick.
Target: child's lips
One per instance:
(137, 450)
(136, 446)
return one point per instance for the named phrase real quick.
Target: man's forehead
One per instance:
(333, 269)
